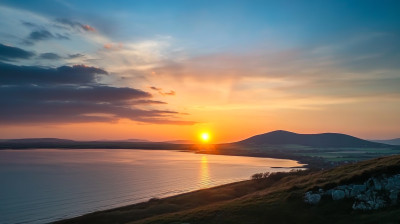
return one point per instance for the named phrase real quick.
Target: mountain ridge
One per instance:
(334, 140)
(394, 141)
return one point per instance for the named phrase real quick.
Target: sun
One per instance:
(205, 137)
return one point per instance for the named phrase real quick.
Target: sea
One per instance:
(46, 185)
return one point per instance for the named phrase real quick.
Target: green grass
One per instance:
(348, 154)
(277, 199)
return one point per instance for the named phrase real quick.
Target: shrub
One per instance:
(257, 176)
(260, 176)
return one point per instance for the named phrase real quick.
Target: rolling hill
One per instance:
(326, 140)
(395, 141)
(37, 140)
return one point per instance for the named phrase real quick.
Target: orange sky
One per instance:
(159, 72)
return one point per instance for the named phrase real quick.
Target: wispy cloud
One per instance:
(113, 46)
(161, 92)
(67, 23)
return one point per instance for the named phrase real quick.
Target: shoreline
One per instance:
(302, 162)
(152, 200)
(263, 166)
(275, 198)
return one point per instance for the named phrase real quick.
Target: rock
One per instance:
(357, 189)
(361, 205)
(379, 203)
(375, 193)
(347, 193)
(338, 195)
(396, 180)
(328, 192)
(377, 184)
(370, 194)
(311, 198)
(394, 195)
(362, 197)
(390, 185)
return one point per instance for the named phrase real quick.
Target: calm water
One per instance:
(44, 185)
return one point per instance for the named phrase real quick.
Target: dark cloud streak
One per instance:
(50, 56)
(96, 94)
(23, 75)
(72, 56)
(72, 94)
(160, 91)
(8, 53)
(42, 35)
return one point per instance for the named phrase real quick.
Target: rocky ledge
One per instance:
(375, 193)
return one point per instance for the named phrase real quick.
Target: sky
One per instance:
(169, 70)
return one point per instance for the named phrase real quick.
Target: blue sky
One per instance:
(294, 61)
(230, 24)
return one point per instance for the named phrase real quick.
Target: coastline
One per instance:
(277, 198)
(216, 149)
(129, 172)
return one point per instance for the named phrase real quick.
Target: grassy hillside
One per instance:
(277, 199)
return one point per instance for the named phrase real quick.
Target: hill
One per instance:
(33, 143)
(124, 140)
(316, 150)
(37, 140)
(276, 199)
(181, 142)
(395, 141)
(327, 140)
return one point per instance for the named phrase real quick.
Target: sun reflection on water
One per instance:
(204, 172)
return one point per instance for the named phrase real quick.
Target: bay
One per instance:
(45, 185)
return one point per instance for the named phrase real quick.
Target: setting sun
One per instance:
(205, 137)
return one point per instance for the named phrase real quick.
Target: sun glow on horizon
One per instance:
(205, 137)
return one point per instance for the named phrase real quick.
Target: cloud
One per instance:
(75, 25)
(148, 102)
(8, 53)
(50, 56)
(160, 91)
(26, 112)
(155, 88)
(73, 94)
(42, 35)
(299, 78)
(34, 75)
(88, 28)
(54, 56)
(72, 56)
(29, 24)
(112, 46)
(45, 35)
(170, 93)
(67, 93)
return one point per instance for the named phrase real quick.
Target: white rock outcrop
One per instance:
(312, 199)
(338, 194)
(375, 193)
